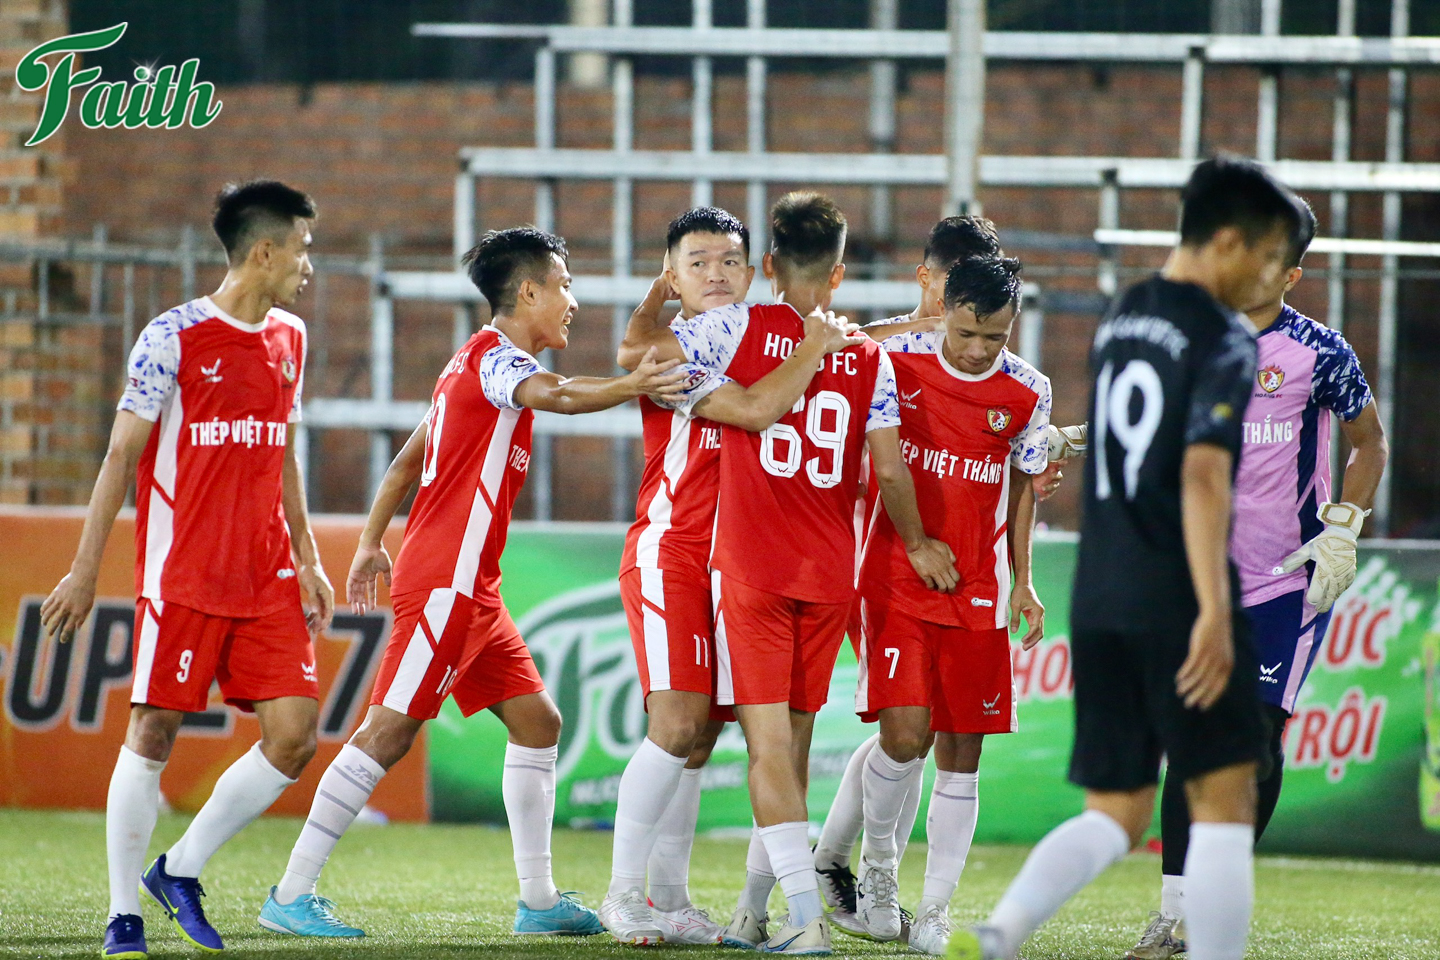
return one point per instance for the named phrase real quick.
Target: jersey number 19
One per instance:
(1113, 395)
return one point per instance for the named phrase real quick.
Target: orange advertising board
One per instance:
(65, 706)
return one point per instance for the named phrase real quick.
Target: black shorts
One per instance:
(1127, 712)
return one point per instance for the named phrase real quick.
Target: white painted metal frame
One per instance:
(882, 45)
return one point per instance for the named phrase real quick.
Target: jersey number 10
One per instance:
(831, 439)
(1112, 416)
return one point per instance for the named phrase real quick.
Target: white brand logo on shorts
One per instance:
(285, 574)
(308, 669)
(1267, 674)
(987, 707)
(981, 602)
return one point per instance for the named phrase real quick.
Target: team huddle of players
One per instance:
(804, 478)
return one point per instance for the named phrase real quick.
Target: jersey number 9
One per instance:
(1112, 416)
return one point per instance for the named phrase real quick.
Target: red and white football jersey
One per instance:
(960, 433)
(675, 512)
(210, 529)
(477, 452)
(785, 521)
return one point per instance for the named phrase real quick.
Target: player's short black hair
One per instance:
(984, 284)
(503, 259)
(955, 238)
(707, 220)
(807, 231)
(1308, 227)
(1227, 191)
(246, 212)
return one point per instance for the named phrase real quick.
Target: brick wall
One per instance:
(30, 206)
(381, 159)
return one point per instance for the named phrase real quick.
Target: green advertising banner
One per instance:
(1359, 776)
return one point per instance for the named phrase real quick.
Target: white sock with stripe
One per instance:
(344, 789)
(909, 810)
(847, 813)
(949, 828)
(670, 860)
(647, 788)
(528, 785)
(886, 783)
(244, 791)
(131, 807)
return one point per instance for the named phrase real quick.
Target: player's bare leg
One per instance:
(647, 788)
(669, 866)
(949, 828)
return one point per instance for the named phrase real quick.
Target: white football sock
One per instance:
(669, 866)
(528, 785)
(759, 877)
(344, 790)
(1219, 889)
(949, 828)
(909, 810)
(847, 813)
(244, 791)
(886, 782)
(646, 788)
(794, 865)
(1172, 896)
(131, 807)
(1070, 856)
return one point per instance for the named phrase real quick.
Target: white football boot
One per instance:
(627, 916)
(930, 933)
(877, 902)
(747, 930)
(689, 924)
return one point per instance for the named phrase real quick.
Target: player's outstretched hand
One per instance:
(660, 380)
(67, 606)
(934, 561)
(1206, 671)
(1047, 482)
(1024, 602)
(315, 587)
(831, 332)
(370, 564)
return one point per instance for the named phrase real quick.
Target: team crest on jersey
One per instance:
(287, 370)
(998, 418)
(1270, 378)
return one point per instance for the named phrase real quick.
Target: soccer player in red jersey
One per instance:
(951, 240)
(784, 551)
(223, 552)
(452, 635)
(665, 582)
(974, 429)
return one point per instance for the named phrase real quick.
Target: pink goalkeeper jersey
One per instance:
(1306, 372)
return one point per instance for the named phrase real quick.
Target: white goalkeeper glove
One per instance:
(1333, 552)
(1066, 442)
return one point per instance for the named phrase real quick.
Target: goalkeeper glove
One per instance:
(1333, 552)
(1066, 442)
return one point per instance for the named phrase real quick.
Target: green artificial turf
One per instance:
(449, 891)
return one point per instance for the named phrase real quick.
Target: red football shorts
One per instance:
(443, 644)
(774, 649)
(672, 629)
(963, 676)
(179, 652)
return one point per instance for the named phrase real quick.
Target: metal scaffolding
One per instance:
(965, 47)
